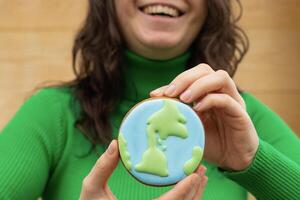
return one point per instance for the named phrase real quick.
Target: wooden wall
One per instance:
(35, 46)
(271, 69)
(36, 38)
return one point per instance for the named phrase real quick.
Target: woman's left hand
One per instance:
(231, 140)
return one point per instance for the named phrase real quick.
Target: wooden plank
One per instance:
(35, 45)
(41, 14)
(22, 76)
(274, 47)
(272, 63)
(267, 14)
(265, 79)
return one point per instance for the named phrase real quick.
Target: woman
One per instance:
(128, 50)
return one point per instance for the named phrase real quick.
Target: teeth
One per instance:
(159, 9)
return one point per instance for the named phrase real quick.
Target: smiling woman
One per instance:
(126, 51)
(160, 29)
(206, 33)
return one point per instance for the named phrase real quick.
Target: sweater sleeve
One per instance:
(29, 145)
(275, 170)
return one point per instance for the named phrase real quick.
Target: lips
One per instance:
(162, 9)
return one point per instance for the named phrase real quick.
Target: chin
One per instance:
(161, 45)
(162, 41)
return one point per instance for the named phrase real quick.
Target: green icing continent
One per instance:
(168, 121)
(123, 151)
(153, 162)
(165, 122)
(193, 163)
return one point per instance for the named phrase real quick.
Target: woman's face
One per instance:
(160, 29)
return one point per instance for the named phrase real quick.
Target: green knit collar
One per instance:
(142, 75)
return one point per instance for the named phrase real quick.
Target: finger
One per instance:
(184, 189)
(109, 193)
(104, 167)
(198, 187)
(201, 170)
(158, 92)
(219, 81)
(183, 80)
(220, 101)
(201, 188)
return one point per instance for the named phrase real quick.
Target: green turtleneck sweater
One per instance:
(43, 154)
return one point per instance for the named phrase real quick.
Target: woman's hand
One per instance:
(95, 184)
(231, 139)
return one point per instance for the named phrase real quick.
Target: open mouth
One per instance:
(161, 10)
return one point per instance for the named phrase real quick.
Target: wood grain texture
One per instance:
(41, 15)
(271, 68)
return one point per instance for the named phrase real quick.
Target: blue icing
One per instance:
(134, 129)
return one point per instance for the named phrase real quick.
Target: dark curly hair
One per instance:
(98, 53)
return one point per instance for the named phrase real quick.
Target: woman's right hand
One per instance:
(95, 184)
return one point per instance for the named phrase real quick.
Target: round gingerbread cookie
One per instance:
(161, 141)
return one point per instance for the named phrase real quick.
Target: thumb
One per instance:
(104, 166)
(184, 189)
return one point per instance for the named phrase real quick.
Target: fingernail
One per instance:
(155, 92)
(197, 106)
(170, 90)
(186, 96)
(201, 171)
(111, 148)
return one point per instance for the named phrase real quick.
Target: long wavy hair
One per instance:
(98, 53)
